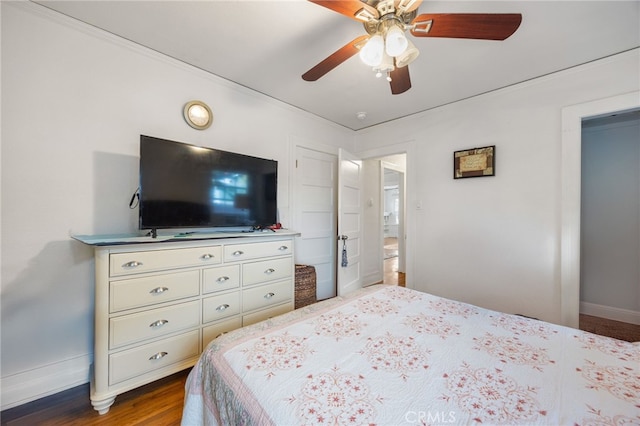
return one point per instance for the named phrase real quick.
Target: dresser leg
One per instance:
(102, 405)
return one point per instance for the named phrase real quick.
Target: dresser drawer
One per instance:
(255, 250)
(266, 270)
(158, 260)
(221, 278)
(211, 332)
(266, 295)
(143, 359)
(266, 314)
(154, 323)
(136, 292)
(218, 307)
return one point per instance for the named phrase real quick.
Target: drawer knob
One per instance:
(207, 256)
(269, 271)
(159, 355)
(158, 323)
(222, 307)
(238, 253)
(223, 279)
(159, 290)
(269, 295)
(283, 248)
(132, 264)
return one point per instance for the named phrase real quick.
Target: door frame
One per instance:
(402, 265)
(409, 149)
(571, 176)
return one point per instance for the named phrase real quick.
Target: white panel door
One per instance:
(316, 205)
(349, 222)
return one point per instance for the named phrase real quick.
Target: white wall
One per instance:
(610, 220)
(74, 102)
(495, 241)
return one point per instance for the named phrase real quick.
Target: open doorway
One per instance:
(393, 219)
(609, 224)
(570, 259)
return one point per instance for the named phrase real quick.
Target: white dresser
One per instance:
(158, 304)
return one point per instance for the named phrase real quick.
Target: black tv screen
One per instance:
(187, 186)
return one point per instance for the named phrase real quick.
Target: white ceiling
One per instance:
(266, 45)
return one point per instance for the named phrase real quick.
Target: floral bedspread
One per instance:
(394, 356)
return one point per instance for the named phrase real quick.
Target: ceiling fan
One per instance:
(386, 48)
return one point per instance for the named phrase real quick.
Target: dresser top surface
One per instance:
(122, 239)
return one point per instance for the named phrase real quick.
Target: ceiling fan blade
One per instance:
(400, 80)
(336, 58)
(354, 9)
(484, 26)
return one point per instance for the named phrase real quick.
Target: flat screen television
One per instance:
(188, 186)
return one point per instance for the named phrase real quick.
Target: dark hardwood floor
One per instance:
(158, 404)
(606, 327)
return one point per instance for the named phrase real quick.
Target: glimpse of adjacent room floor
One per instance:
(391, 274)
(605, 327)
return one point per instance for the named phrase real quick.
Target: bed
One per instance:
(388, 355)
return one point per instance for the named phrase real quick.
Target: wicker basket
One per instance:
(305, 285)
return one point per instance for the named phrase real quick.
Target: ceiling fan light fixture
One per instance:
(395, 42)
(408, 56)
(385, 67)
(386, 23)
(372, 52)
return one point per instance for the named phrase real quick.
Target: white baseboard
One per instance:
(616, 314)
(372, 278)
(28, 386)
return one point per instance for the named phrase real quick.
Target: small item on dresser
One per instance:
(275, 227)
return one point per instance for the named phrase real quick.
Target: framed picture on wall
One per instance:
(475, 162)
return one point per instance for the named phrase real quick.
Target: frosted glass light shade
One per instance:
(396, 42)
(371, 53)
(407, 56)
(386, 66)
